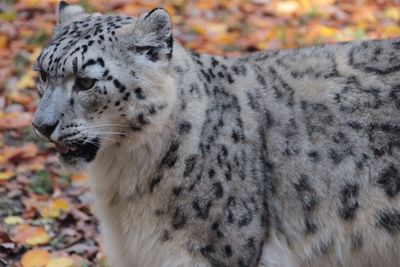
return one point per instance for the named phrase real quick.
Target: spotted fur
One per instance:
(278, 158)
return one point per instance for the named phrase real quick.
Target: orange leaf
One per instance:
(20, 98)
(35, 258)
(79, 178)
(29, 235)
(27, 151)
(3, 41)
(15, 120)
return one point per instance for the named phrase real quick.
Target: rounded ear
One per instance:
(150, 34)
(66, 12)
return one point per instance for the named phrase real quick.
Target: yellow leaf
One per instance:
(60, 262)
(327, 31)
(392, 13)
(35, 258)
(390, 31)
(27, 80)
(12, 220)
(5, 175)
(35, 54)
(54, 208)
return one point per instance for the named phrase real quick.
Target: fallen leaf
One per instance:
(392, 13)
(3, 41)
(27, 80)
(54, 208)
(60, 262)
(15, 120)
(12, 220)
(5, 175)
(29, 235)
(35, 258)
(20, 98)
(27, 151)
(286, 7)
(79, 178)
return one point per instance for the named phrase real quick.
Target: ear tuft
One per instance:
(158, 13)
(152, 35)
(67, 12)
(61, 6)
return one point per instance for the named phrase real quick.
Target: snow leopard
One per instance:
(275, 158)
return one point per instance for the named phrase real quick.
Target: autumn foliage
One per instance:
(45, 220)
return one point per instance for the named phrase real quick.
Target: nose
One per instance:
(45, 128)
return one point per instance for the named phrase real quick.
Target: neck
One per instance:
(131, 169)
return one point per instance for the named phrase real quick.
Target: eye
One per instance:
(43, 76)
(84, 83)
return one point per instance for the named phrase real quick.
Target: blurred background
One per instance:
(44, 215)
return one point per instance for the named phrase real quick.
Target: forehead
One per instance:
(76, 39)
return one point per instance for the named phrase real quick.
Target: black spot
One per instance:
(100, 61)
(126, 96)
(88, 63)
(228, 250)
(75, 65)
(155, 181)
(117, 103)
(261, 80)
(207, 250)
(314, 156)
(171, 156)
(217, 230)
(214, 62)
(211, 173)
(229, 78)
(158, 212)
(177, 190)
(139, 93)
(335, 157)
(389, 219)
(184, 127)
(306, 193)
(119, 86)
(190, 162)
(135, 128)
(165, 236)
(348, 197)
(141, 119)
(202, 209)
(152, 110)
(357, 241)
(310, 226)
(179, 219)
(218, 190)
(389, 180)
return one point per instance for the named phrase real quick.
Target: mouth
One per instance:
(80, 150)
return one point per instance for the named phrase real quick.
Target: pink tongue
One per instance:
(62, 149)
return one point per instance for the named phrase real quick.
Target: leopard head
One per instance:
(103, 79)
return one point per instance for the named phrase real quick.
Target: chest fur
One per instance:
(132, 232)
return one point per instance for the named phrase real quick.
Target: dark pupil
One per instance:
(43, 76)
